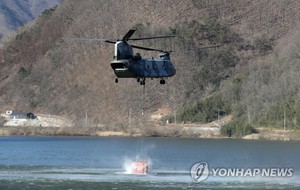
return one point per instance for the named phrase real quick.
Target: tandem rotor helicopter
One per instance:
(127, 64)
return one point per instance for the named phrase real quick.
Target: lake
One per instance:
(100, 163)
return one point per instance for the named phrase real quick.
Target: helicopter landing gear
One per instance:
(116, 80)
(162, 81)
(143, 81)
(138, 79)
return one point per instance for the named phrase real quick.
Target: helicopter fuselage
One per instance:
(143, 68)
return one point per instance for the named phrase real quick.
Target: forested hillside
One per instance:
(253, 75)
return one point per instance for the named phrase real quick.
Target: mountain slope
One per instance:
(15, 13)
(74, 79)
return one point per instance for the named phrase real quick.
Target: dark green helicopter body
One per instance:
(143, 68)
(129, 65)
(126, 64)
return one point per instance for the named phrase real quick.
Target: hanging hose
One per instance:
(144, 116)
(141, 140)
(141, 165)
(143, 109)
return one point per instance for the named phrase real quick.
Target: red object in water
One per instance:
(140, 167)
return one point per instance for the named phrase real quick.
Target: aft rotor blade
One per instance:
(154, 37)
(145, 48)
(128, 35)
(212, 46)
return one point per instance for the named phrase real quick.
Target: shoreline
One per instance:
(158, 131)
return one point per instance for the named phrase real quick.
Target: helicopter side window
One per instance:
(154, 65)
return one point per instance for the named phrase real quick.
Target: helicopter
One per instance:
(127, 64)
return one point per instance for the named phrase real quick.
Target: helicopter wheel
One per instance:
(162, 81)
(143, 82)
(138, 79)
(116, 80)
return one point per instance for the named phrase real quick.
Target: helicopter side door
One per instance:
(155, 68)
(139, 67)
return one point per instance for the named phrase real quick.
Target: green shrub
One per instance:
(263, 44)
(48, 12)
(237, 129)
(201, 111)
(24, 72)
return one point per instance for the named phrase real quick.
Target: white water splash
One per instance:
(128, 162)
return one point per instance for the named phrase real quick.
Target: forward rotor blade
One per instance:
(109, 41)
(86, 39)
(154, 37)
(145, 48)
(92, 39)
(128, 35)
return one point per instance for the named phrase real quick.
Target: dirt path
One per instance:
(42, 120)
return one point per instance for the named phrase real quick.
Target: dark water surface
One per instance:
(100, 163)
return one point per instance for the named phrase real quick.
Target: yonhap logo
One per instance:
(199, 172)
